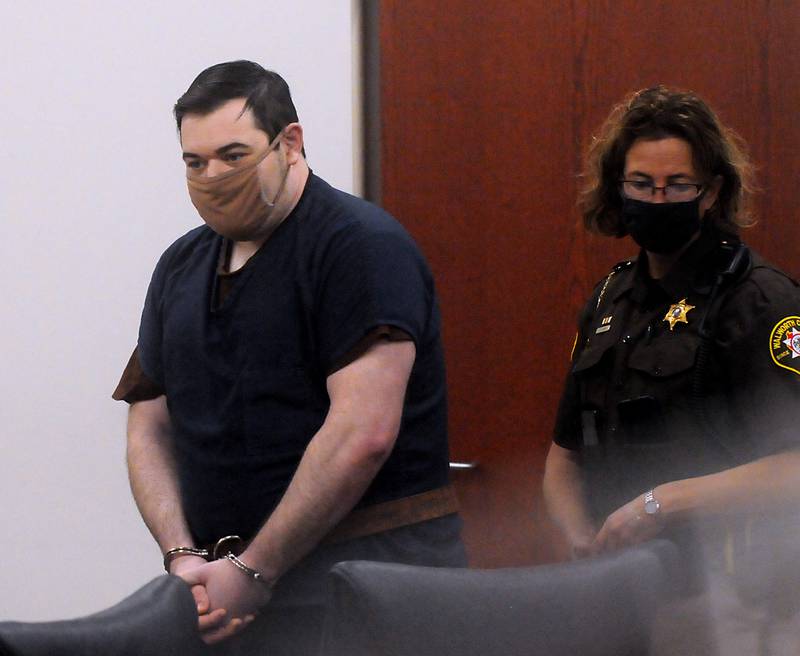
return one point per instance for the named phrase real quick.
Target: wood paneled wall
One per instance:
(486, 110)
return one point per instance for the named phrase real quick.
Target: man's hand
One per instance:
(229, 591)
(181, 566)
(627, 526)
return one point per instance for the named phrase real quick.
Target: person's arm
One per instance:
(151, 471)
(564, 498)
(768, 485)
(343, 457)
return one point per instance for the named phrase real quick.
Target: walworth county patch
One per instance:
(784, 344)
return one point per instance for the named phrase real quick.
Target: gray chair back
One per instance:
(596, 607)
(159, 619)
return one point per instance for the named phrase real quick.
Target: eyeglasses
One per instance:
(674, 192)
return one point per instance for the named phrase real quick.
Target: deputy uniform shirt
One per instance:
(244, 377)
(634, 401)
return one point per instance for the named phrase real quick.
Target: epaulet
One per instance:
(621, 266)
(617, 268)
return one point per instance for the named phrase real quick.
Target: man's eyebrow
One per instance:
(220, 151)
(231, 146)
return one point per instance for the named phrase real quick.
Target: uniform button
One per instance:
(657, 371)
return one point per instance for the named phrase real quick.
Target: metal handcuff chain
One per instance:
(221, 549)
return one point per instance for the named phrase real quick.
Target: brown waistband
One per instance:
(368, 520)
(394, 514)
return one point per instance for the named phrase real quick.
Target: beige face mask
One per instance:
(233, 205)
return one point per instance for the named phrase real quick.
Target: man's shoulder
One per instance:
(339, 210)
(184, 246)
(341, 228)
(190, 240)
(184, 251)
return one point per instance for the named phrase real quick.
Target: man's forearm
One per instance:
(328, 483)
(152, 475)
(341, 460)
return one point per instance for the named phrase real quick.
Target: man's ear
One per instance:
(293, 139)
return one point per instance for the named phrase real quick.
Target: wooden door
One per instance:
(485, 111)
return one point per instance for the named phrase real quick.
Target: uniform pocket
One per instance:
(668, 356)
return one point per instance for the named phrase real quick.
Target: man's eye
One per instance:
(641, 185)
(194, 164)
(234, 157)
(682, 187)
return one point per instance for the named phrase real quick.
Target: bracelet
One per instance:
(248, 570)
(176, 552)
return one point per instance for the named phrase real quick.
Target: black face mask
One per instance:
(661, 227)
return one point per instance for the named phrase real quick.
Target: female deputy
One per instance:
(680, 415)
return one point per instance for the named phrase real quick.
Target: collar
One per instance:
(694, 271)
(223, 259)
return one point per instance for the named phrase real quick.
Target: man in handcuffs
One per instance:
(287, 391)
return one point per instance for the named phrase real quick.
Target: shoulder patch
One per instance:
(784, 344)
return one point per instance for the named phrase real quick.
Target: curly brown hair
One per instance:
(657, 113)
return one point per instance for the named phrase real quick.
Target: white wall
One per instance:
(91, 192)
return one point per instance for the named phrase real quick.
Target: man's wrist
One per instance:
(178, 552)
(263, 559)
(249, 571)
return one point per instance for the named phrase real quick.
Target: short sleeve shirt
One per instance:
(245, 377)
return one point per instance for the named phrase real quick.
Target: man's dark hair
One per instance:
(657, 113)
(266, 92)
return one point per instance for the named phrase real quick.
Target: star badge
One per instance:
(793, 342)
(677, 313)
